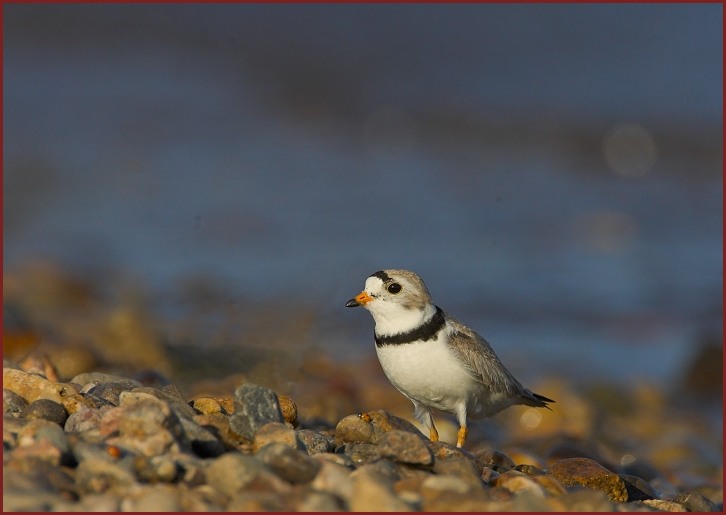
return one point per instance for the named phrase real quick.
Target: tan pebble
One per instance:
(275, 432)
(33, 387)
(206, 405)
(289, 409)
(227, 404)
(664, 505)
(550, 485)
(590, 474)
(518, 482)
(373, 493)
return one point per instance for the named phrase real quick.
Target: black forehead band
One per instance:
(383, 276)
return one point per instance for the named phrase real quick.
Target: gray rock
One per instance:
(405, 447)
(254, 407)
(203, 441)
(315, 442)
(291, 465)
(638, 489)
(47, 410)
(13, 404)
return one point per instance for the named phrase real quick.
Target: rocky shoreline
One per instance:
(102, 442)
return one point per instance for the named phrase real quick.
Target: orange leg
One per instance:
(433, 434)
(461, 436)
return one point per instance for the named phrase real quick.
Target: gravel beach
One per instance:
(105, 422)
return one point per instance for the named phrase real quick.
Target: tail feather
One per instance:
(535, 400)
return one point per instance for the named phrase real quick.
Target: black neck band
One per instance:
(425, 332)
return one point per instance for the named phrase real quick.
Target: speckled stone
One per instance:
(590, 474)
(254, 406)
(206, 405)
(288, 463)
(315, 442)
(13, 404)
(149, 426)
(288, 409)
(405, 447)
(660, 505)
(369, 427)
(32, 387)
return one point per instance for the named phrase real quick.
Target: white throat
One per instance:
(393, 318)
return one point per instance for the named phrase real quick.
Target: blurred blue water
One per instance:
(289, 151)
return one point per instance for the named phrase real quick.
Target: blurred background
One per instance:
(213, 182)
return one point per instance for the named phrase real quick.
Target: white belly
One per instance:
(428, 373)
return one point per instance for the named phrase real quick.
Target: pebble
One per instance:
(288, 409)
(33, 387)
(315, 442)
(102, 442)
(206, 405)
(98, 476)
(47, 410)
(333, 478)
(277, 433)
(254, 406)
(405, 447)
(694, 501)
(148, 426)
(288, 463)
(13, 404)
(231, 472)
(371, 492)
(369, 427)
(519, 482)
(590, 474)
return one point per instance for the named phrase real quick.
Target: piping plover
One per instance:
(432, 358)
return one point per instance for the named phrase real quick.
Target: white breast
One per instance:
(427, 372)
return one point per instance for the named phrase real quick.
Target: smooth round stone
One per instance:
(47, 410)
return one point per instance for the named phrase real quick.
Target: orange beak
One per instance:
(361, 300)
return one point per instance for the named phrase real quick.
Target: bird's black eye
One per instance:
(394, 288)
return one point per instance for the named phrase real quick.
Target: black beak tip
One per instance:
(352, 303)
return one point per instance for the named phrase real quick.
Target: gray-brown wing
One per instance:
(478, 356)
